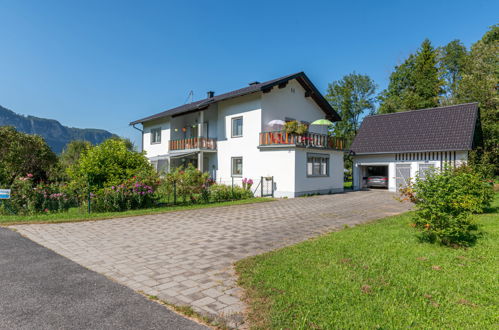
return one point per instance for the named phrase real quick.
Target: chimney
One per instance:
(254, 83)
(210, 94)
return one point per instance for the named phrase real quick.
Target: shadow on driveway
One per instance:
(40, 289)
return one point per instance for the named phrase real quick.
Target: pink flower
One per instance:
(30, 175)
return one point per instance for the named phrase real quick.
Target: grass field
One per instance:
(76, 214)
(376, 276)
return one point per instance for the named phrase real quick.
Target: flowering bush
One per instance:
(247, 183)
(191, 185)
(131, 194)
(445, 201)
(29, 198)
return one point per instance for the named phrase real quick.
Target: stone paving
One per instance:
(186, 257)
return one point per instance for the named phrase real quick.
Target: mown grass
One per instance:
(76, 214)
(377, 275)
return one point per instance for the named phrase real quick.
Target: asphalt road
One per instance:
(40, 289)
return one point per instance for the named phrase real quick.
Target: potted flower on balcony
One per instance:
(296, 128)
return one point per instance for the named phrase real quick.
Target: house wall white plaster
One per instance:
(156, 149)
(249, 108)
(290, 102)
(308, 184)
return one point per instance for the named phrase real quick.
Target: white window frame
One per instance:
(318, 167)
(232, 167)
(154, 134)
(232, 121)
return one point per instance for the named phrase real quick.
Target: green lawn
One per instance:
(76, 214)
(347, 184)
(376, 276)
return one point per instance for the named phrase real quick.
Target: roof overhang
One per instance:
(301, 77)
(402, 152)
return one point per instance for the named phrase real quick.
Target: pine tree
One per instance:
(415, 84)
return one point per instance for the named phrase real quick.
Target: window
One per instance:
(237, 127)
(423, 168)
(155, 135)
(237, 166)
(317, 165)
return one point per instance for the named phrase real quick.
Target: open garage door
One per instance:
(402, 175)
(379, 174)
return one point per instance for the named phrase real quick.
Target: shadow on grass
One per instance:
(491, 209)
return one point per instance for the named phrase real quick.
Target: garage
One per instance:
(378, 171)
(404, 145)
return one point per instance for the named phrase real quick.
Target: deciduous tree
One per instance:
(22, 154)
(480, 83)
(352, 97)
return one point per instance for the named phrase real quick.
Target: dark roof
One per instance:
(435, 129)
(253, 88)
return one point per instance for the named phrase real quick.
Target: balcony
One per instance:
(195, 143)
(307, 140)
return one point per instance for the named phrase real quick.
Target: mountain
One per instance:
(56, 135)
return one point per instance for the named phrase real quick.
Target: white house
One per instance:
(401, 145)
(231, 137)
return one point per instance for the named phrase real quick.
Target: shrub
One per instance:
(220, 193)
(31, 198)
(130, 195)
(22, 153)
(444, 203)
(108, 164)
(191, 185)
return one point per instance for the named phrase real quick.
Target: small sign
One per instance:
(4, 193)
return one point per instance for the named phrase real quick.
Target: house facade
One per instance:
(404, 144)
(231, 136)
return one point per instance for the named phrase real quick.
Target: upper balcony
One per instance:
(194, 143)
(307, 140)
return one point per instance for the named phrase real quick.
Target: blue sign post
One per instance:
(4, 193)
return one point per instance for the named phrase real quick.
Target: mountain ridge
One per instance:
(56, 134)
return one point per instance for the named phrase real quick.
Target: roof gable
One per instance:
(265, 87)
(435, 129)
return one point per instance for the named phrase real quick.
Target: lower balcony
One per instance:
(307, 140)
(196, 143)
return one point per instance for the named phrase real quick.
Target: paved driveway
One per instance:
(186, 257)
(39, 289)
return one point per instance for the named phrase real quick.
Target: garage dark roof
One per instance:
(448, 128)
(252, 88)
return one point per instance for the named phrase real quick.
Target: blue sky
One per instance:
(102, 64)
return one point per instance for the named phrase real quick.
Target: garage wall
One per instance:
(373, 160)
(414, 159)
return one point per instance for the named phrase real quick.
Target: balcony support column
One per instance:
(200, 161)
(200, 124)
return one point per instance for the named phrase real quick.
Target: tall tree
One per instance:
(73, 151)
(452, 60)
(415, 84)
(480, 83)
(22, 154)
(352, 97)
